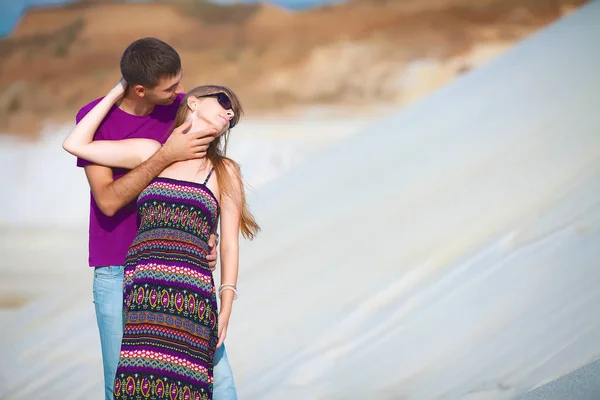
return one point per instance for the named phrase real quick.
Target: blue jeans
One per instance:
(108, 302)
(223, 386)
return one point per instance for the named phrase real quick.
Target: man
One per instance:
(153, 72)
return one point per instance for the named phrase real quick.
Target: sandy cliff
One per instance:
(360, 52)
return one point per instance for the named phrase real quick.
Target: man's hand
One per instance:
(183, 145)
(212, 257)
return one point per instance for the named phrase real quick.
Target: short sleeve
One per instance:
(98, 136)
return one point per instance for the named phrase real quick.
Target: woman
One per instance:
(172, 328)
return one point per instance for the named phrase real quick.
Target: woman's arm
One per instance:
(231, 207)
(128, 153)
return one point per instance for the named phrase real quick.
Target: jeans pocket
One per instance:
(108, 290)
(110, 272)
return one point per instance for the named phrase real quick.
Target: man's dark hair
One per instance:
(145, 61)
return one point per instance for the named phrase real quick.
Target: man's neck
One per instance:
(134, 105)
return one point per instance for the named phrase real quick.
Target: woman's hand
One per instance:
(223, 323)
(119, 90)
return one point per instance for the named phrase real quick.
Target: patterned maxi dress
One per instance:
(170, 302)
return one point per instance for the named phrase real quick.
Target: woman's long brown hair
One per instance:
(216, 154)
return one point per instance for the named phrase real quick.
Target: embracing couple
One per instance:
(154, 294)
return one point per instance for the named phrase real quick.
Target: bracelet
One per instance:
(231, 287)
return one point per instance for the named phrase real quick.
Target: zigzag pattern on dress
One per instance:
(170, 332)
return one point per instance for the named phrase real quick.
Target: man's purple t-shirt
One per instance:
(110, 237)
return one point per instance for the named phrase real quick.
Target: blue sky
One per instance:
(11, 10)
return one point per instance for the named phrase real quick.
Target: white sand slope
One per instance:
(451, 251)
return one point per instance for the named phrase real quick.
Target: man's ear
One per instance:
(140, 90)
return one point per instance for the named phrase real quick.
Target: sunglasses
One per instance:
(224, 101)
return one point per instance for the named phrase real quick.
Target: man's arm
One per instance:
(112, 195)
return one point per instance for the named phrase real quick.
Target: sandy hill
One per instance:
(356, 53)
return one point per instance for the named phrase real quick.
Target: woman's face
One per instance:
(210, 110)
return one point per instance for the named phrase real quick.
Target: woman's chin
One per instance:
(219, 126)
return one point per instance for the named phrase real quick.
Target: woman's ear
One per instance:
(192, 103)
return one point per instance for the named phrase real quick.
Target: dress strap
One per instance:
(209, 175)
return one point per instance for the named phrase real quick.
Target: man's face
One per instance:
(166, 91)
